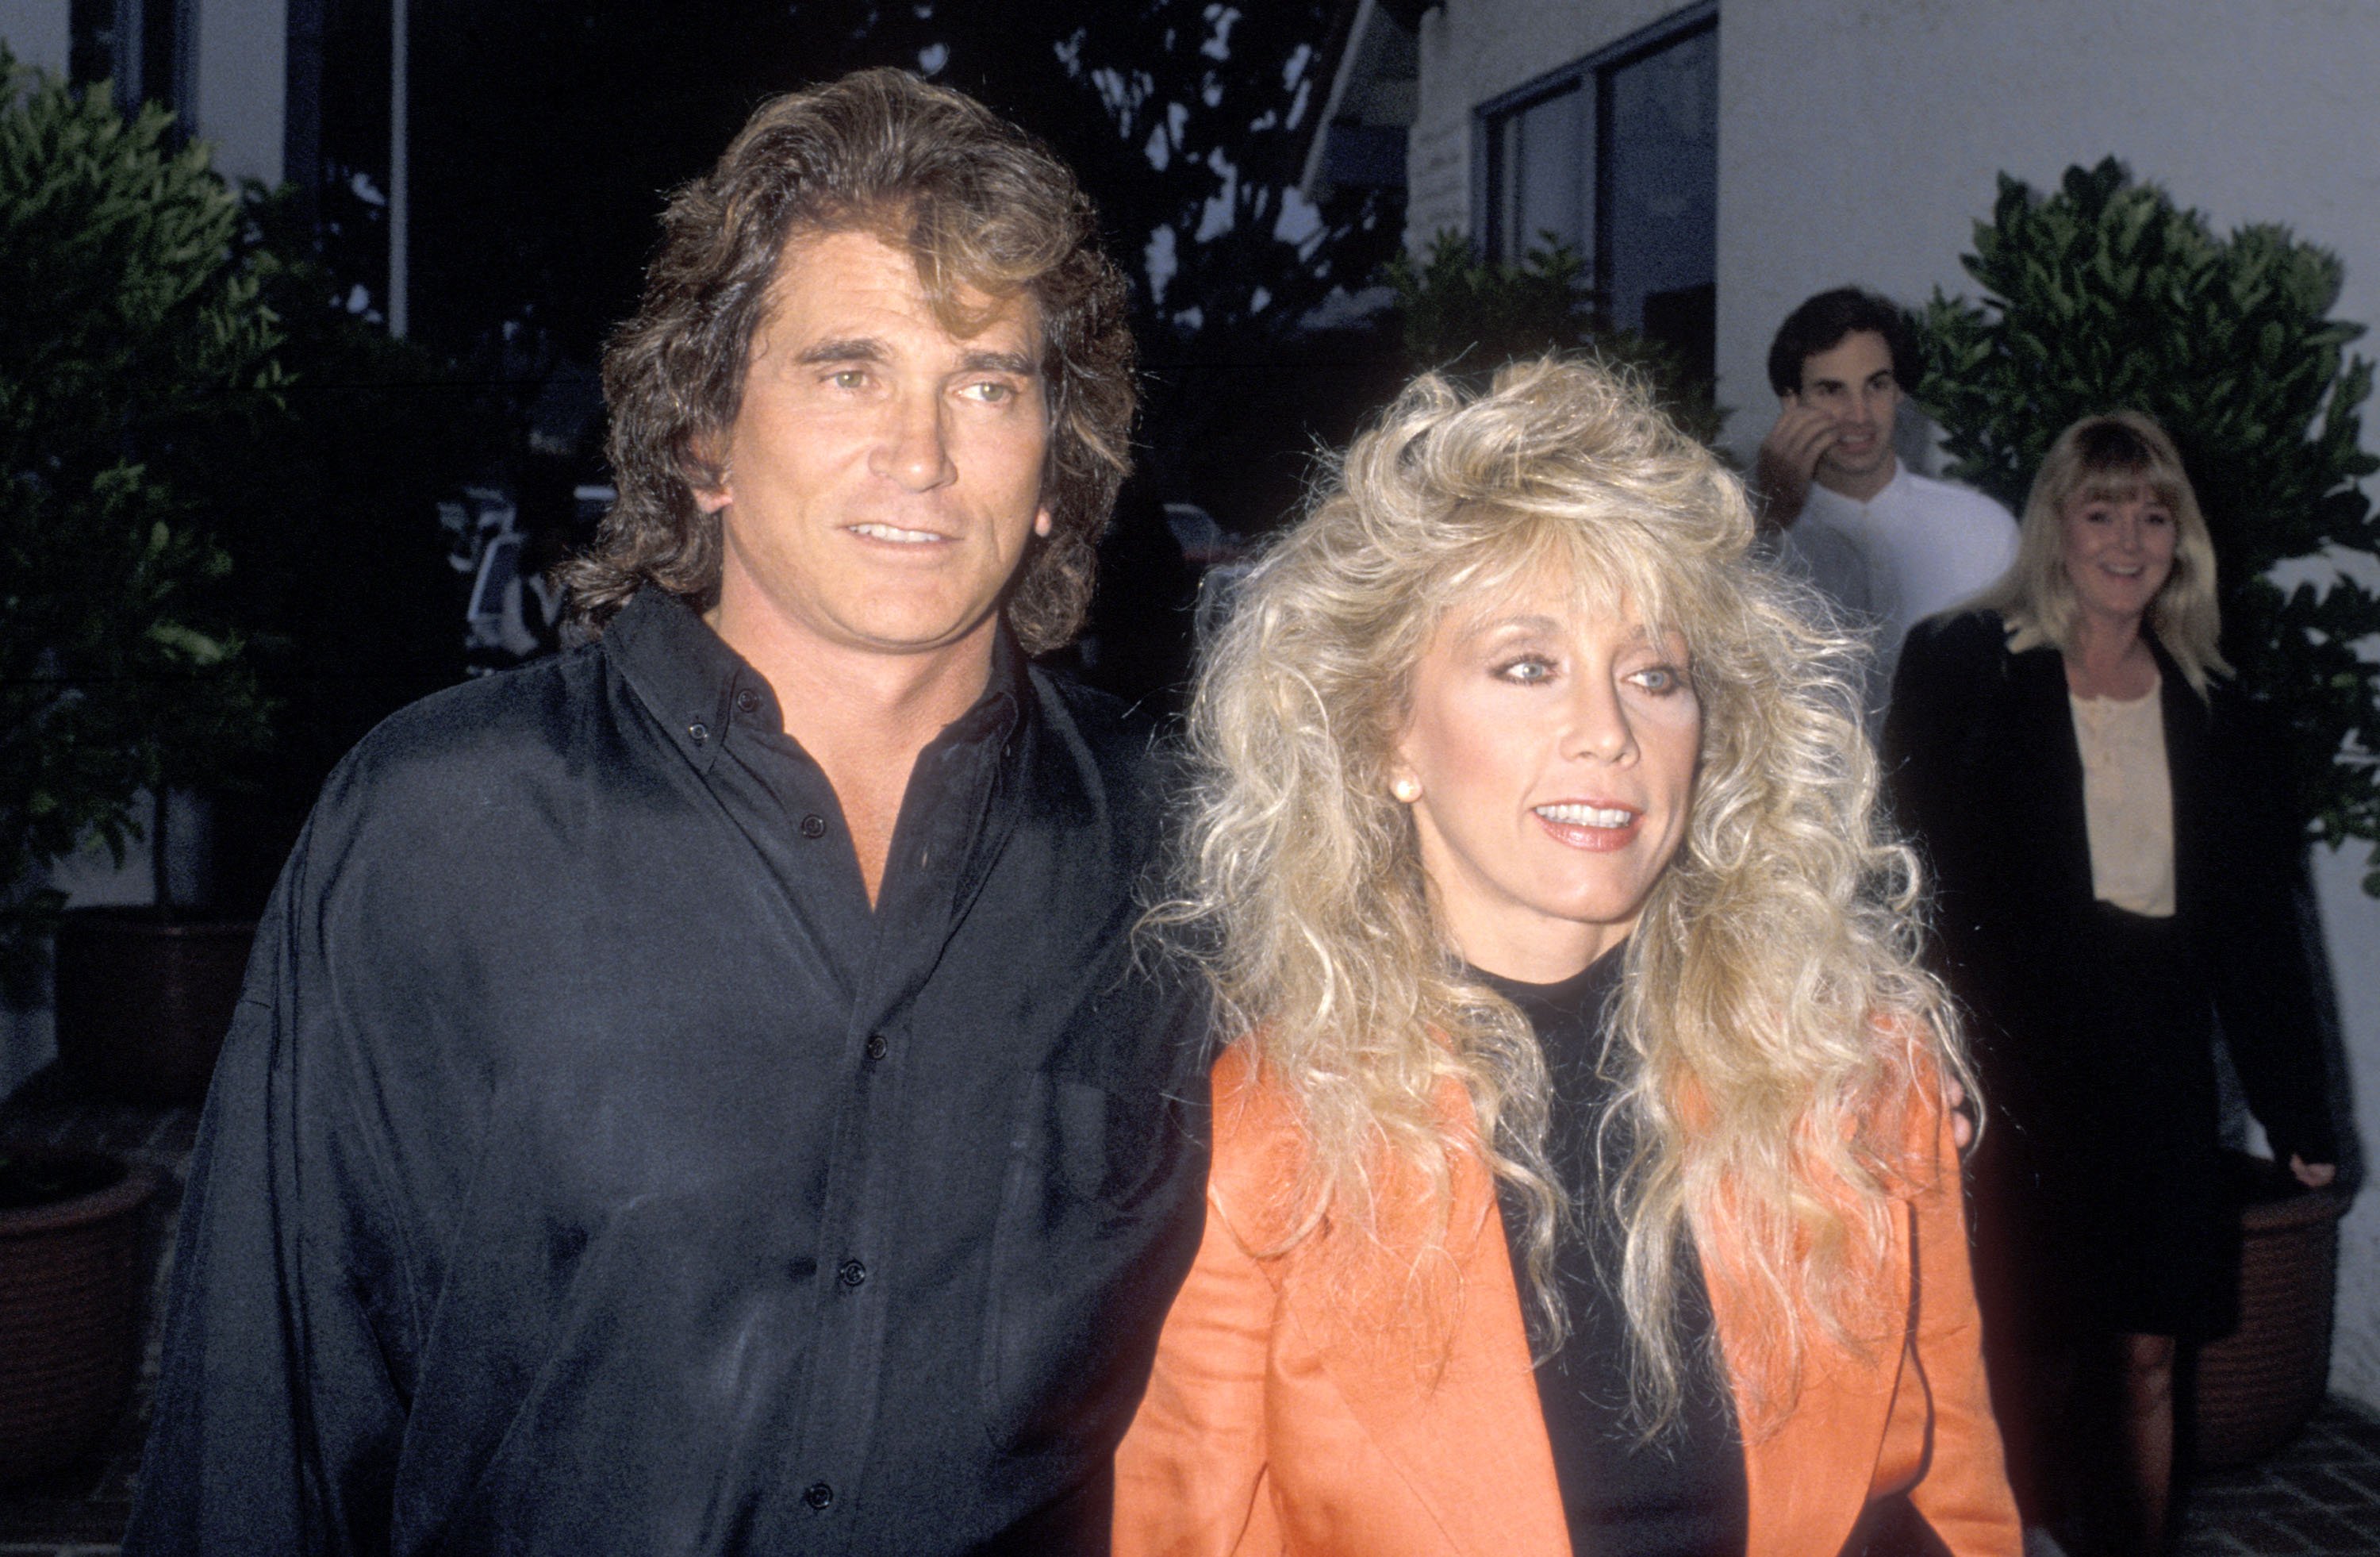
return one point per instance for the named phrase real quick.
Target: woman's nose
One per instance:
(1599, 726)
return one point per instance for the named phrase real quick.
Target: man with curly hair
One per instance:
(697, 1093)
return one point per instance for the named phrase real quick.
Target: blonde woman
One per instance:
(1582, 1177)
(2114, 870)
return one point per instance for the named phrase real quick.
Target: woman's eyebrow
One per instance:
(1493, 626)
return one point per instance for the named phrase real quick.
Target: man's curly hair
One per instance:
(980, 205)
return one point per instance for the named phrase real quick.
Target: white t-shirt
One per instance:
(1917, 547)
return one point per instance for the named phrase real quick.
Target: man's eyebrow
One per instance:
(853, 348)
(1012, 362)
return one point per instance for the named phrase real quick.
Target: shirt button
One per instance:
(698, 731)
(851, 1272)
(747, 700)
(877, 1046)
(813, 826)
(820, 1496)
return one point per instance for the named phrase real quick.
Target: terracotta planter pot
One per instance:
(143, 999)
(72, 1274)
(2257, 1386)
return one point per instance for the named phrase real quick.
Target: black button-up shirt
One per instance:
(590, 1170)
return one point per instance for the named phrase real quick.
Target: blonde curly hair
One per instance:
(1776, 1025)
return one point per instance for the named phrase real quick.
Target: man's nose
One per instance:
(914, 450)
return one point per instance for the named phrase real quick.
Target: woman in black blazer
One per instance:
(2114, 869)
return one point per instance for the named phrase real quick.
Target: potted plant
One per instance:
(2257, 1385)
(71, 1275)
(147, 354)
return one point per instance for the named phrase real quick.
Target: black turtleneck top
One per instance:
(1682, 1493)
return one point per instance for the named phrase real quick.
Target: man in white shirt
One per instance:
(1890, 547)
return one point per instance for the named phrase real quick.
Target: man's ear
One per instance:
(1790, 399)
(710, 499)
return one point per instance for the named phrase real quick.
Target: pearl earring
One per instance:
(1406, 790)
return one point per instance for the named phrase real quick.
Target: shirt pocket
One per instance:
(1098, 1214)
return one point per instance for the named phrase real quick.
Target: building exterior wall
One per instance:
(36, 32)
(1860, 140)
(239, 74)
(1472, 50)
(240, 84)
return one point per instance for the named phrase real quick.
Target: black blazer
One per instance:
(1983, 769)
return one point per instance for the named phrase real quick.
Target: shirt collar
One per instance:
(1829, 499)
(694, 683)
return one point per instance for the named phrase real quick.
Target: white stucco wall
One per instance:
(36, 32)
(242, 71)
(1859, 140)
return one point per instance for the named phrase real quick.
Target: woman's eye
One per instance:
(1659, 680)
(2156, 517)
(1528, 670)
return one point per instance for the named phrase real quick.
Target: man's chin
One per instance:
(1857, 468)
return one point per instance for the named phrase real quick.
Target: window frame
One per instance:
(1591, 73)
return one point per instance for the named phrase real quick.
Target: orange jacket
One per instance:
(1285, 1416)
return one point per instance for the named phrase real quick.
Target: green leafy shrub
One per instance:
(2107, 295)
(1467, 314)
(131, 345)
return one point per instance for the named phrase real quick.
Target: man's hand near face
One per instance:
(1788, 460)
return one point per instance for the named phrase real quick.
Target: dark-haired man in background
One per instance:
(1890, 546)
(695, 1094)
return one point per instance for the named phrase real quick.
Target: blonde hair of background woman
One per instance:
(2099, 458)
(1773, 1010)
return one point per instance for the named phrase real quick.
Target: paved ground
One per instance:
(2320, 1497)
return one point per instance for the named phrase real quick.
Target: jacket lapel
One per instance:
(1477, 1458)
(1808, 1476)
(2043, 763)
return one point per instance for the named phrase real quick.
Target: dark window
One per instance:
(163, 30)
(1542, 172)
(91, 41)
(1617, 156)
(141, 45)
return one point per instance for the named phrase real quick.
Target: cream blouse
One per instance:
(2127, 800)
